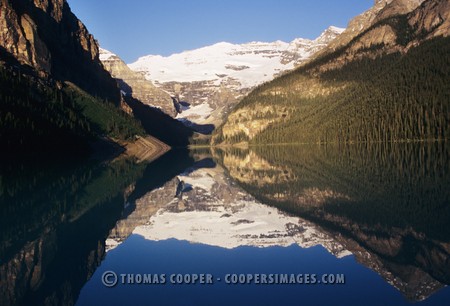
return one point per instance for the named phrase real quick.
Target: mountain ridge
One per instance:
(371, 89)
(212, 79)
(382, 9)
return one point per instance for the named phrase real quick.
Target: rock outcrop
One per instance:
(135, 84)
(432, 19)
(383, 29)
(46, 35)
(382, 9)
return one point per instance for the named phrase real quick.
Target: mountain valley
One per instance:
(325, 157)
(207, 83)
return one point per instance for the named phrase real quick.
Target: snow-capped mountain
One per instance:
(212, 79)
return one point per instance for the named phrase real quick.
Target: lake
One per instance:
(268, 225)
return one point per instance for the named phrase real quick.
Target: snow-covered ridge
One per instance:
(250, 64)
(106, 55)
(211, 80)
(336, 29)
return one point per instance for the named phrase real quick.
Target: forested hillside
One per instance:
(394, 90)
(41, 116)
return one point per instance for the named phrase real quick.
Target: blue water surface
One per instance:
(140, 256)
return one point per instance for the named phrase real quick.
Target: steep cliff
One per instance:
(135, 84)
(70, 101)
(46, 35)
(382, 9)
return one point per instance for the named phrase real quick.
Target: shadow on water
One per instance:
(387, 204)
(55, 218)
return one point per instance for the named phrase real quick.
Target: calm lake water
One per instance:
(264, 226)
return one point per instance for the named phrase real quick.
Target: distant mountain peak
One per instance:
(106, 55)
(329, 34)
(213, 78)
(335, 29)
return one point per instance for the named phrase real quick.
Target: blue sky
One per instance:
(134, 28)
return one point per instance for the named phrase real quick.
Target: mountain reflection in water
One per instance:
(389, 205)
(268, 208)
(56, 216)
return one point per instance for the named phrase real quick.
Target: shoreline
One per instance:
(146, 148)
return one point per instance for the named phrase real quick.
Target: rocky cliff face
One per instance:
(382, 9)
(46, 35)
(384, 29)
(135, 84)
(432, 19)
(250, 120)
(209, 81)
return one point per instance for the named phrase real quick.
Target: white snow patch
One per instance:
(337, 29)
(246, 223)
(111, 244)
(106, 55)
(249, 64)
(201, 111)
(209, 63)
(215, 228)
(200, 180)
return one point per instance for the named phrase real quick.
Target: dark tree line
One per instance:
(36, 115)
(396, 97)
